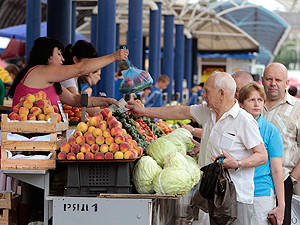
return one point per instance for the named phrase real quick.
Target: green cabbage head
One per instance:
(193, 169)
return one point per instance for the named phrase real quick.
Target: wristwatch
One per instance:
(239, 165)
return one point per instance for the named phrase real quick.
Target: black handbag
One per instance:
(209, 179)
(223, 207)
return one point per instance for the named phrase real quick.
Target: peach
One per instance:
(21, 104)
(106, 133)
(48, 116)
(128, 136)
(40, 103)
(90, 140)
(71, 156)
(119, 139)
(62, 155)
(120, 124)
(104, 148)
(23, 99)
(94, 121)
(80, 140)
(124, 147)
(91, 128)
(56, 110)
(65, 147)
(42, 94)
(133, 142)
(77, 133)
(124, 131)
(99, 155)
(88, 133)
(110, 119)
(22, 117)
(99, 116)
(135, 153)
(95, 148)
(24, 110)
(48, 101)
(31, 117)
(75, 148)
(114, 147)
(13, 116)
(89, 155)
(85, 148)
(37, 96)
(80, 155)
(116, 131)
(16, 108)
(113, 124)
(109, 140)
(30, 97)
(118, 155)
(41, 117)
(106, 113)
(45, 102)
(82, 126)
(97, 132)
(129, 155)
(72, 140)
(103, 125)
(28, 104)
(99, 140)
(48, 109)
(139, 150)
(109, 155)
(58, 117)
(35, 111)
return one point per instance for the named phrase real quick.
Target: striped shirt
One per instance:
(285, 115)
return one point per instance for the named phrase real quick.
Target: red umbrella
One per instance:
(14, 49)
(293, 82)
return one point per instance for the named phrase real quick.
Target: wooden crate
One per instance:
(38, 146)
(9, 201)
(7, 217)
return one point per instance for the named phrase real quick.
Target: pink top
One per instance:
(23, 90)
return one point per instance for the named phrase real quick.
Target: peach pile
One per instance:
(102, 137)
(34, 107)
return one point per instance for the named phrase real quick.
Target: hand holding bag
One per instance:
(223, 207)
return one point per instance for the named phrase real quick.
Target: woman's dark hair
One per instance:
(41, 51)
(82, 50)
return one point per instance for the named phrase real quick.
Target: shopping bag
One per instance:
(134, 79)
(223, 208)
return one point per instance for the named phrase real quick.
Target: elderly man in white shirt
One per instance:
(227, 130)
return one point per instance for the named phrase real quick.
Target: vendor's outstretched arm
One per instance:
(167, 113)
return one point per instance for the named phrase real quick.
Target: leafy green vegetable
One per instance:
(175, 159)
(185, 135)
(144, 173)
(193, 169)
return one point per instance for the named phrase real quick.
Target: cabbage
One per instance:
(163, 146)
(175, 159)
(178, 141)
(185, 135)
(172, 181)
(144, 173)
(193, 169)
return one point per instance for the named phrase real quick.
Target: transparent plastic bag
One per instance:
(134, 79)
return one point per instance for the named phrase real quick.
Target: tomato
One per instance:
(78, 114)
(71, 114)
(75, 119)
(75, 109)
(67, 110)
(67, 107)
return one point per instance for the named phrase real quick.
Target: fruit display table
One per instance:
(124, 209)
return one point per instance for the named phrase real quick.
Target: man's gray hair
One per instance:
(241, 74)
(225, 81)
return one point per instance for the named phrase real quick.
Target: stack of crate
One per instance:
(31, 146)
(8, 206)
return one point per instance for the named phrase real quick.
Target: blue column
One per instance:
(73, 29)
(135, 32)
(59, 20)
(188, 64)
(194, 59)
(159, 39)
(179, 59)
(153, 43)
(106, 43)
(117, 43)
(33, 21)
(168, 58)
(94, 30)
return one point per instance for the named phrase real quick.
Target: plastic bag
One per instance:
(134, 79)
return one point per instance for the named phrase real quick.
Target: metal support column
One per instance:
(179, 59)
(106, 43)
(135, 32)
(94, 30)
(153, 43)
(73, 29)
(158, 31)
(188, 64)
(59, 20)
(168, 58)
(194, 59)
(33, 22)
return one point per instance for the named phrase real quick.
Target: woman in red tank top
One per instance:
(44, 71)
